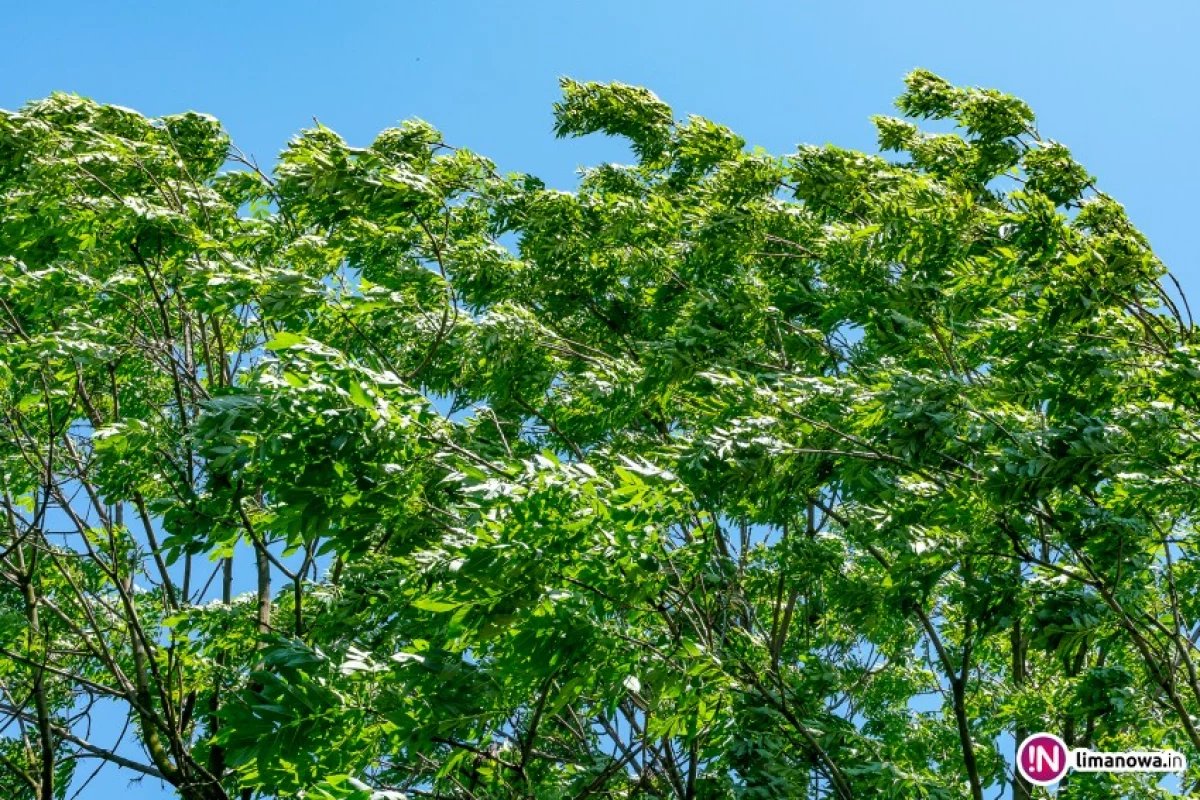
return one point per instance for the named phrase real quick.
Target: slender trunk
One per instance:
(264, 588)
(693, 763)
(959, 695)
(41, 703)
(263, 568)
(216, 756)
(1021, 787)
(187, 579)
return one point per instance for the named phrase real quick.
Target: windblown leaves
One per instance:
(725, 474)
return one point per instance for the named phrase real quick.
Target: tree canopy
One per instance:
(726, 474)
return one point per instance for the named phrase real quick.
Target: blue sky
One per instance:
(1115, 82)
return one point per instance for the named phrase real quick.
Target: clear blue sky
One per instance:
(1115, 81)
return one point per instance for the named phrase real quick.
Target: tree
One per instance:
(725, 474)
